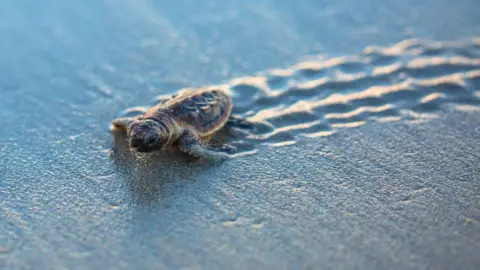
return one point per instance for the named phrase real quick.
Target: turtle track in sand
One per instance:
(321, 96)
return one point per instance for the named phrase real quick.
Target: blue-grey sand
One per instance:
(364, 151)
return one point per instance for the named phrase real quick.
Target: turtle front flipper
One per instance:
(122, 123)
(189, 143)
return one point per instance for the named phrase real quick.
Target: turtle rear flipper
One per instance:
(238, 122)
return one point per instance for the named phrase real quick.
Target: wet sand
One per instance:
(366, 142)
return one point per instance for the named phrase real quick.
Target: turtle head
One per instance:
(146, 135)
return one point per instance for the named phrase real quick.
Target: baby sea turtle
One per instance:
(187, 120)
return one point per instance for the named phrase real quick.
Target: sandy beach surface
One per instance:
(365, 151)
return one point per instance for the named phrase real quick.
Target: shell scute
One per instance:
(208, 95)
(205, 108)
(205, 111)
(189, 104)
(185, 110)
(199, 100)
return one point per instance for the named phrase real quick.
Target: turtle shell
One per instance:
(203, 110)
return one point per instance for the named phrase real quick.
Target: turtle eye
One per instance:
(135, 142)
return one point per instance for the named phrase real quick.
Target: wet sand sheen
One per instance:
(407, 81)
